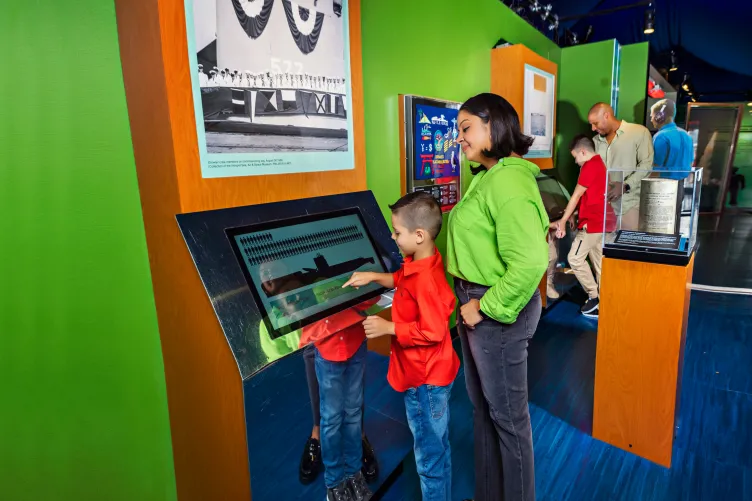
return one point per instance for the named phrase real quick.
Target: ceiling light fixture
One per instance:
(674, 62)
(649, 20)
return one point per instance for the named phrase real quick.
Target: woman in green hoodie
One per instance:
(498, 254)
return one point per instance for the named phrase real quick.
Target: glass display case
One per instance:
(651, 215)
(714, 128)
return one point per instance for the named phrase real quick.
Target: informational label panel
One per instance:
(271, 86)
(538, 115)
(647, 240)
(296, 267)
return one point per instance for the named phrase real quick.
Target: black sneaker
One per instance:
(370, 467)
(310, 463)
(359, 488)
(340, 493)
(590, 308)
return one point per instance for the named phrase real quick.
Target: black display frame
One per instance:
(273, 332)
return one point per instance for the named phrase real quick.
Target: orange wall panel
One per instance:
(203, 382)
(508, 81)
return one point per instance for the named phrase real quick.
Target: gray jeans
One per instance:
(495, 361)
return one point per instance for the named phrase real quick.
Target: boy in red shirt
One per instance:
(423, 363)
(590, 195)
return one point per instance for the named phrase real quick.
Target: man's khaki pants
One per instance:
(587, 245)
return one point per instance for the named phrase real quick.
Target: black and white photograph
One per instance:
(273, 75)
(538, 124)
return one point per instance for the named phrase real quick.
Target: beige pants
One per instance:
(553, 254)
(587, 245)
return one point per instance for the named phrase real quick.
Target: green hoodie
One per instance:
(497, 237)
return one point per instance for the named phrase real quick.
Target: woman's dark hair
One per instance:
(506, 133)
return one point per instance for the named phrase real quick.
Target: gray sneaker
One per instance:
(359, 488)
(340, 493)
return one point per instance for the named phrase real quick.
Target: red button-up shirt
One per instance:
(423, 303)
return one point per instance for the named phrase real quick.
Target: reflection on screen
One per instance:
(297, 266)
(554, 199)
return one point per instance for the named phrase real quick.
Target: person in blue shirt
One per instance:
(673, 146)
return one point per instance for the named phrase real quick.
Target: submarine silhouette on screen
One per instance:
(309, 276)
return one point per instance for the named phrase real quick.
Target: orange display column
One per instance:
(641, 336)
(204, 386)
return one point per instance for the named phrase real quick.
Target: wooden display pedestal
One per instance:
(641, 337)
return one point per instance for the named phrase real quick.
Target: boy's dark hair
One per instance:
(419, 210)
(582, 142)
(506, 133)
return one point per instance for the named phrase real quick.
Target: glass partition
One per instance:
(715, 130)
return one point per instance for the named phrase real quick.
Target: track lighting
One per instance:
(685, 82)
(649, 20)
(674, 62)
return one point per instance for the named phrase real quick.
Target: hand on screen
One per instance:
(377, 327)
(359, 279)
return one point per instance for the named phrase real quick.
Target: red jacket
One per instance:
(423, 303)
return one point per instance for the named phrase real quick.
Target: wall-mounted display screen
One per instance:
(296, 267)
(433, 156)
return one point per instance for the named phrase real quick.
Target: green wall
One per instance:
(84, 413)
(407, 49)
(633, 83)
(585, 78)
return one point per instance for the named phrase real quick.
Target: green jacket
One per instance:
(497, 237)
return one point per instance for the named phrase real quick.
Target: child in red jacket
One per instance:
(423, 363)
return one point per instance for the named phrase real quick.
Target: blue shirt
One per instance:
(674, 151)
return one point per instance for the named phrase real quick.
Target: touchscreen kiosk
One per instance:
(273, 274)
(296, 267)
(554, 198)
(432, 159)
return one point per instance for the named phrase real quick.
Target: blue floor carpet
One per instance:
(713, 449)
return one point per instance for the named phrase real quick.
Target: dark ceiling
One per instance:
(711, 38)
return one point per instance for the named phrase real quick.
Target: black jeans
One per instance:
(495, 360)
(309, 357)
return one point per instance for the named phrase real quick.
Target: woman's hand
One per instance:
(470, 313)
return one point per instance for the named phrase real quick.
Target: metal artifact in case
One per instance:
(651, 215)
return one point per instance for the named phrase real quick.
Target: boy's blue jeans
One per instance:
(341, 393)
(428, 416)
